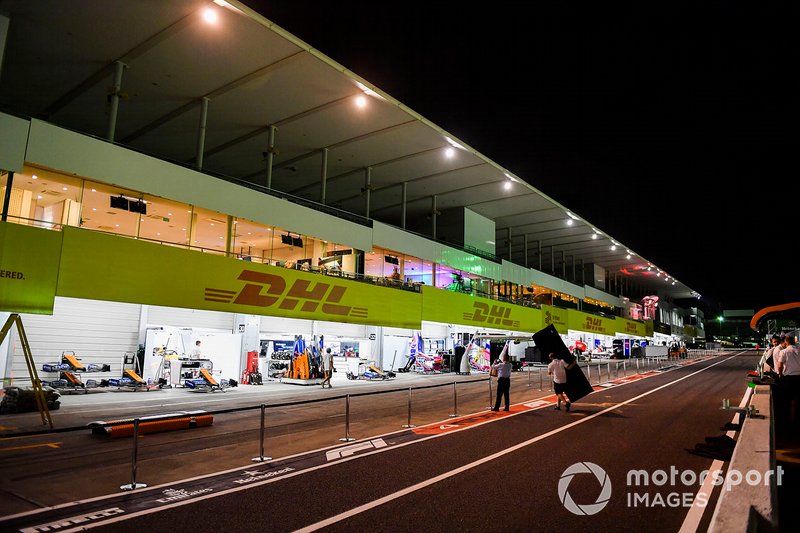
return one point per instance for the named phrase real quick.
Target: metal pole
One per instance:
(455, 402)
(491, 396)
(624, 370)
(112, 118)
(403, 201)
(261, 458)
(589, 373)
(608, 370)
(270, 155)
(541, 381)
(433, 216)
(529, 377)
(409, 425)
(133, 485)
(324, 177)
(201, 134)
(367, 189)
(7, 196)
(347, 437)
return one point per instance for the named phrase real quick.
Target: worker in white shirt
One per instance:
(197, 353)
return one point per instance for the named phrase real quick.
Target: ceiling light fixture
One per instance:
(449, 153)
(210, 16)
(361, 101)
(507, 185)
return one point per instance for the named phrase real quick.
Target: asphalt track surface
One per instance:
(481, 472)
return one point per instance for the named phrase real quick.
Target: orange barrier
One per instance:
(149, 425)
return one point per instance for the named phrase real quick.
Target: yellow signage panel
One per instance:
(457, 308)
(107, 267)
(631, 327)
(555, 316)
(28, 268)
(591, 323)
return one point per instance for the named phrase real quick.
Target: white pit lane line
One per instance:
(399, 494)
(360, 509)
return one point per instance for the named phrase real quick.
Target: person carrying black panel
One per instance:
(558, 369)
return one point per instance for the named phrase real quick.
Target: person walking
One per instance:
(503, 368)
(327, 368)
(558, 369)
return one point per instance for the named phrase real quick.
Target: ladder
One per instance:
(38, 392)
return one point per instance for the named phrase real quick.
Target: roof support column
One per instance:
(572, 258)
(119, 66)
(324, 177)
(201, 132)
(508, 242)
(552, 260)
(403, 202)
(563, 265)
(367, 189)
(270, 155)
(525, 248)
(538, 253)
(433, 216)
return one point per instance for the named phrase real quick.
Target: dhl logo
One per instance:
(496, 314)
(550, 318)
(630, 328)
(267, 290)
(594, 324)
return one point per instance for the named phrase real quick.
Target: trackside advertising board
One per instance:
(29, 259)
(456, 308)
(109, 267)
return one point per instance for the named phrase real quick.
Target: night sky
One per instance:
(670, 126)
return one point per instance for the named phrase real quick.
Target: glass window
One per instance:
(412, 269)
(164, 221)
(208, 230)
(252, 241)
(287, 248)
(374, 263)
(108, 208)
(44, 198)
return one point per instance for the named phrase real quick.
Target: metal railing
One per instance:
(604, 371)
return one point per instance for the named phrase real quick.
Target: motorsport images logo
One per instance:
(661, 488)
(590, 508)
